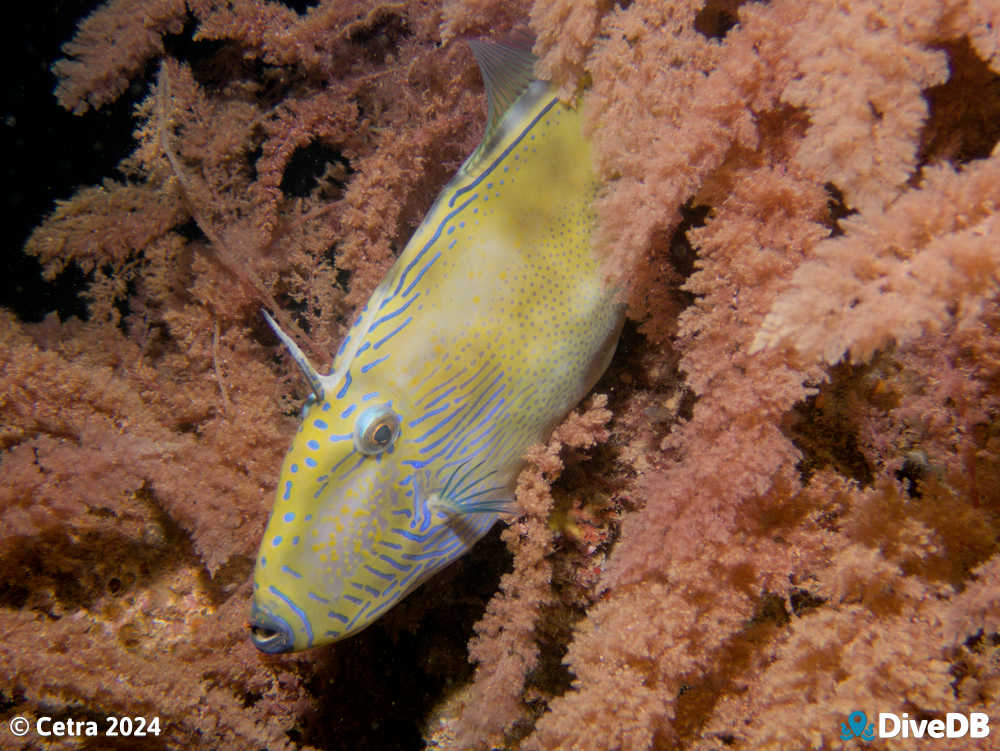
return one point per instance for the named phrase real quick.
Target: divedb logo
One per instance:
(954, 725)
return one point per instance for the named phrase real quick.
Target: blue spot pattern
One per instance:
(461, 420)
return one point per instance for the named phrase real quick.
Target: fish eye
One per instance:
(376, 429)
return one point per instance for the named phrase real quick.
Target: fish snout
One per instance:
(269, 632)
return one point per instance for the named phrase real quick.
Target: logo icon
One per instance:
(857, 727)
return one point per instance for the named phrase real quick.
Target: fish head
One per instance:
(364, 509)
(338, 486)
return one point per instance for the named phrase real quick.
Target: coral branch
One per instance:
(932, 257)
(110, 47)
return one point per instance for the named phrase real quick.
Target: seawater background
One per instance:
(47, 152)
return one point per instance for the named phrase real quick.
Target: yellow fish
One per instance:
(492, 324)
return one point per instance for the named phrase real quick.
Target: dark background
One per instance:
(48, 152)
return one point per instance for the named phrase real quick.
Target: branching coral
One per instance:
(793, 507)
(927, 260)
(140, 447)
(726, 486)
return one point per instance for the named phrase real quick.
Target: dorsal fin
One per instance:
(314, 379)
(507, 69)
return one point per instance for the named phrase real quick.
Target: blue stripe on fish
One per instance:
(392, 333)
(393, 314)
(430, 243)
(295, 609)
(373, 363)
(347, 385)
(503, 154)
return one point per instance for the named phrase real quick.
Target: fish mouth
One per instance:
(269, 633)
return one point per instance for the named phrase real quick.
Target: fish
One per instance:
(492, 324)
